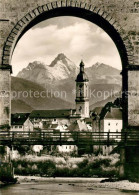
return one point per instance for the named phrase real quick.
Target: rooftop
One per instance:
(19, 118)
(51, 113)
(114, 113)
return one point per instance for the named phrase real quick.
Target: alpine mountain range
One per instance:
(60, 76)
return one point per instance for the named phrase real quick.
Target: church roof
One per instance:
(114, 113)
(81, 77)
(51, 113)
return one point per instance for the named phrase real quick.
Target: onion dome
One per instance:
(81, 77)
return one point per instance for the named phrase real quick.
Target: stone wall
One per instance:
(125, 12)
(5, 97)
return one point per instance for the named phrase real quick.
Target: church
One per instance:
(82, 93)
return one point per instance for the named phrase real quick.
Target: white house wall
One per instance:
(111, 125)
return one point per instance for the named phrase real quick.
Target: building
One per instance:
(82, 93)
(106, 120)
(112, 123)
(68, 148)
(21, 122)
(45, 119)
(113, 120)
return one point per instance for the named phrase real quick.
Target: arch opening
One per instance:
(88, 15)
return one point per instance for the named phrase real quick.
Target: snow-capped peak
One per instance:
(97, 64)
(60, 68)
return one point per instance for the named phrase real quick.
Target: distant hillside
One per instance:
(69, 85)
(20, 106)
(24, 103)
(102, 103)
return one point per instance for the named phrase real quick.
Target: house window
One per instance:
(16, 127)
(54, 119)
(116, 124)
(109, 124)
(20, 127)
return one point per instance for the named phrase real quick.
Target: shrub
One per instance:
(47, 168)
(83, 163)
(100, 166)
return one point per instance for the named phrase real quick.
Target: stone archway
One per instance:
(105, 13)
(70, 8)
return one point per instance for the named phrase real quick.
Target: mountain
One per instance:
(100, 73)
(27, 96)
(60, 77)
(61, 68)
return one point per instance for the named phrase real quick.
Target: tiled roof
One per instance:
(19, 118)
(115, 113)
(51, 113)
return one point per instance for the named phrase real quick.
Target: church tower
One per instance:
(82, 93)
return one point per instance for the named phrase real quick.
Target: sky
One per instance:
(76, 38)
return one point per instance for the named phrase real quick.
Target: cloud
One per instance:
(76, 38)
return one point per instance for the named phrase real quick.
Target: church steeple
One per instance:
(81, 77)
(82, 93)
